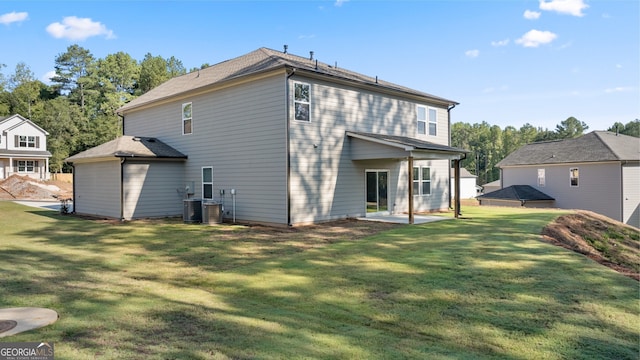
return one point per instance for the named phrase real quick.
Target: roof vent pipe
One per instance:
(310, 55)
(285, 48)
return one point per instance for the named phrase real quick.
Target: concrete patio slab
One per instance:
(404, 218)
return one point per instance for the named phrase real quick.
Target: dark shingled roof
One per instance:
(592, 147)
(130, 147)
(256, 62)
(407, 141)
(517, 192)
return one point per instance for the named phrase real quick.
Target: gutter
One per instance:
(287, 145)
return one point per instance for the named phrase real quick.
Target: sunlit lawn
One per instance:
(481, 287)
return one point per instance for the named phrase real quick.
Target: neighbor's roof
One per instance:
(23, 121)
(593, 147)
(414, 144)
(130, 147)
(517, 192)
(464, 173)
(259, 61)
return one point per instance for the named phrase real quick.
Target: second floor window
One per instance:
(427, 121)
(541, 178)
(573, 177)
(302, 101)
(27, 141)
(187, 118)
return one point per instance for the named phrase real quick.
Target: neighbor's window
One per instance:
(302, 101)
(207, 182)
(433, 122)
(27, 141)
(25, 166)
(422, 120)
(421, 181)
(187, 118)
(573, 176)
(541, 177)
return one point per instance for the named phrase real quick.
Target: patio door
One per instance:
(377, 187)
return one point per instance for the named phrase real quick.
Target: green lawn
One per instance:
(481, 287)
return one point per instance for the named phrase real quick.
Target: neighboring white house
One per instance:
(599, 171)
(23, 148)
(280, 139)
(468, 187)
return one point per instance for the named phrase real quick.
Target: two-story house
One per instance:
(279, 139)
(23, 148)
(599, 171)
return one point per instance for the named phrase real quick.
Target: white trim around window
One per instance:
(426, 120)
(301, 101)
(421, 181)
(207, 182)
(574, 176)
(187, 118)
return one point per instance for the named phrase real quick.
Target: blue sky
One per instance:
(507, 62)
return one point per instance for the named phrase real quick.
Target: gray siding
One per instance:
(152, 189)
(97, 188)
(241, 132)
(325, 183)
(631, 194)
(598, 190)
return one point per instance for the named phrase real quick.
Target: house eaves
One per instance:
(407, 147)
(129, 147)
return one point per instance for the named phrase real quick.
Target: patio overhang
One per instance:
(369, 146)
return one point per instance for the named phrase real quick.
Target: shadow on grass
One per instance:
(483, 287)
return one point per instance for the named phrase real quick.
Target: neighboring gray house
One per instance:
(599, 171)
(23, 148)
(288, 140)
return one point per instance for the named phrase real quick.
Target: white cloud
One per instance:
(531, 15)
(47, 77)
(504, 42)
(74, 28)
(535, 38)
(340, 2)
(472, 53)
(570, 7)
(619, 89)
(12, 17)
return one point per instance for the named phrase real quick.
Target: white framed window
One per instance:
(541, 178)
(207, 182)
(421, 119)
(573, 177)
(187, 118)
(422, 180)
(433, 122)
(302, 101)
(27, 141)
(25, 166)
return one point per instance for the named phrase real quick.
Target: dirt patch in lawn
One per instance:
(17, 187)
(609, 242)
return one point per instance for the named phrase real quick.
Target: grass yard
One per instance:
(481, 287)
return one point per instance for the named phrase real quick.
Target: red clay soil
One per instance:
(18, 187)
(602, 239)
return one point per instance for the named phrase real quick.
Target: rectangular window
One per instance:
(421, 181)
(302, 101)
(26, 141)
(187, 118)
(433, 122)
(541, 178)
(573, 177)
(25, 166)
(207, 182)
(422, 120)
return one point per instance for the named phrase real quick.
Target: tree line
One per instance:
(78, 108)
(488, 144)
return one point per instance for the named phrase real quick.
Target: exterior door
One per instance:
(377, 198)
